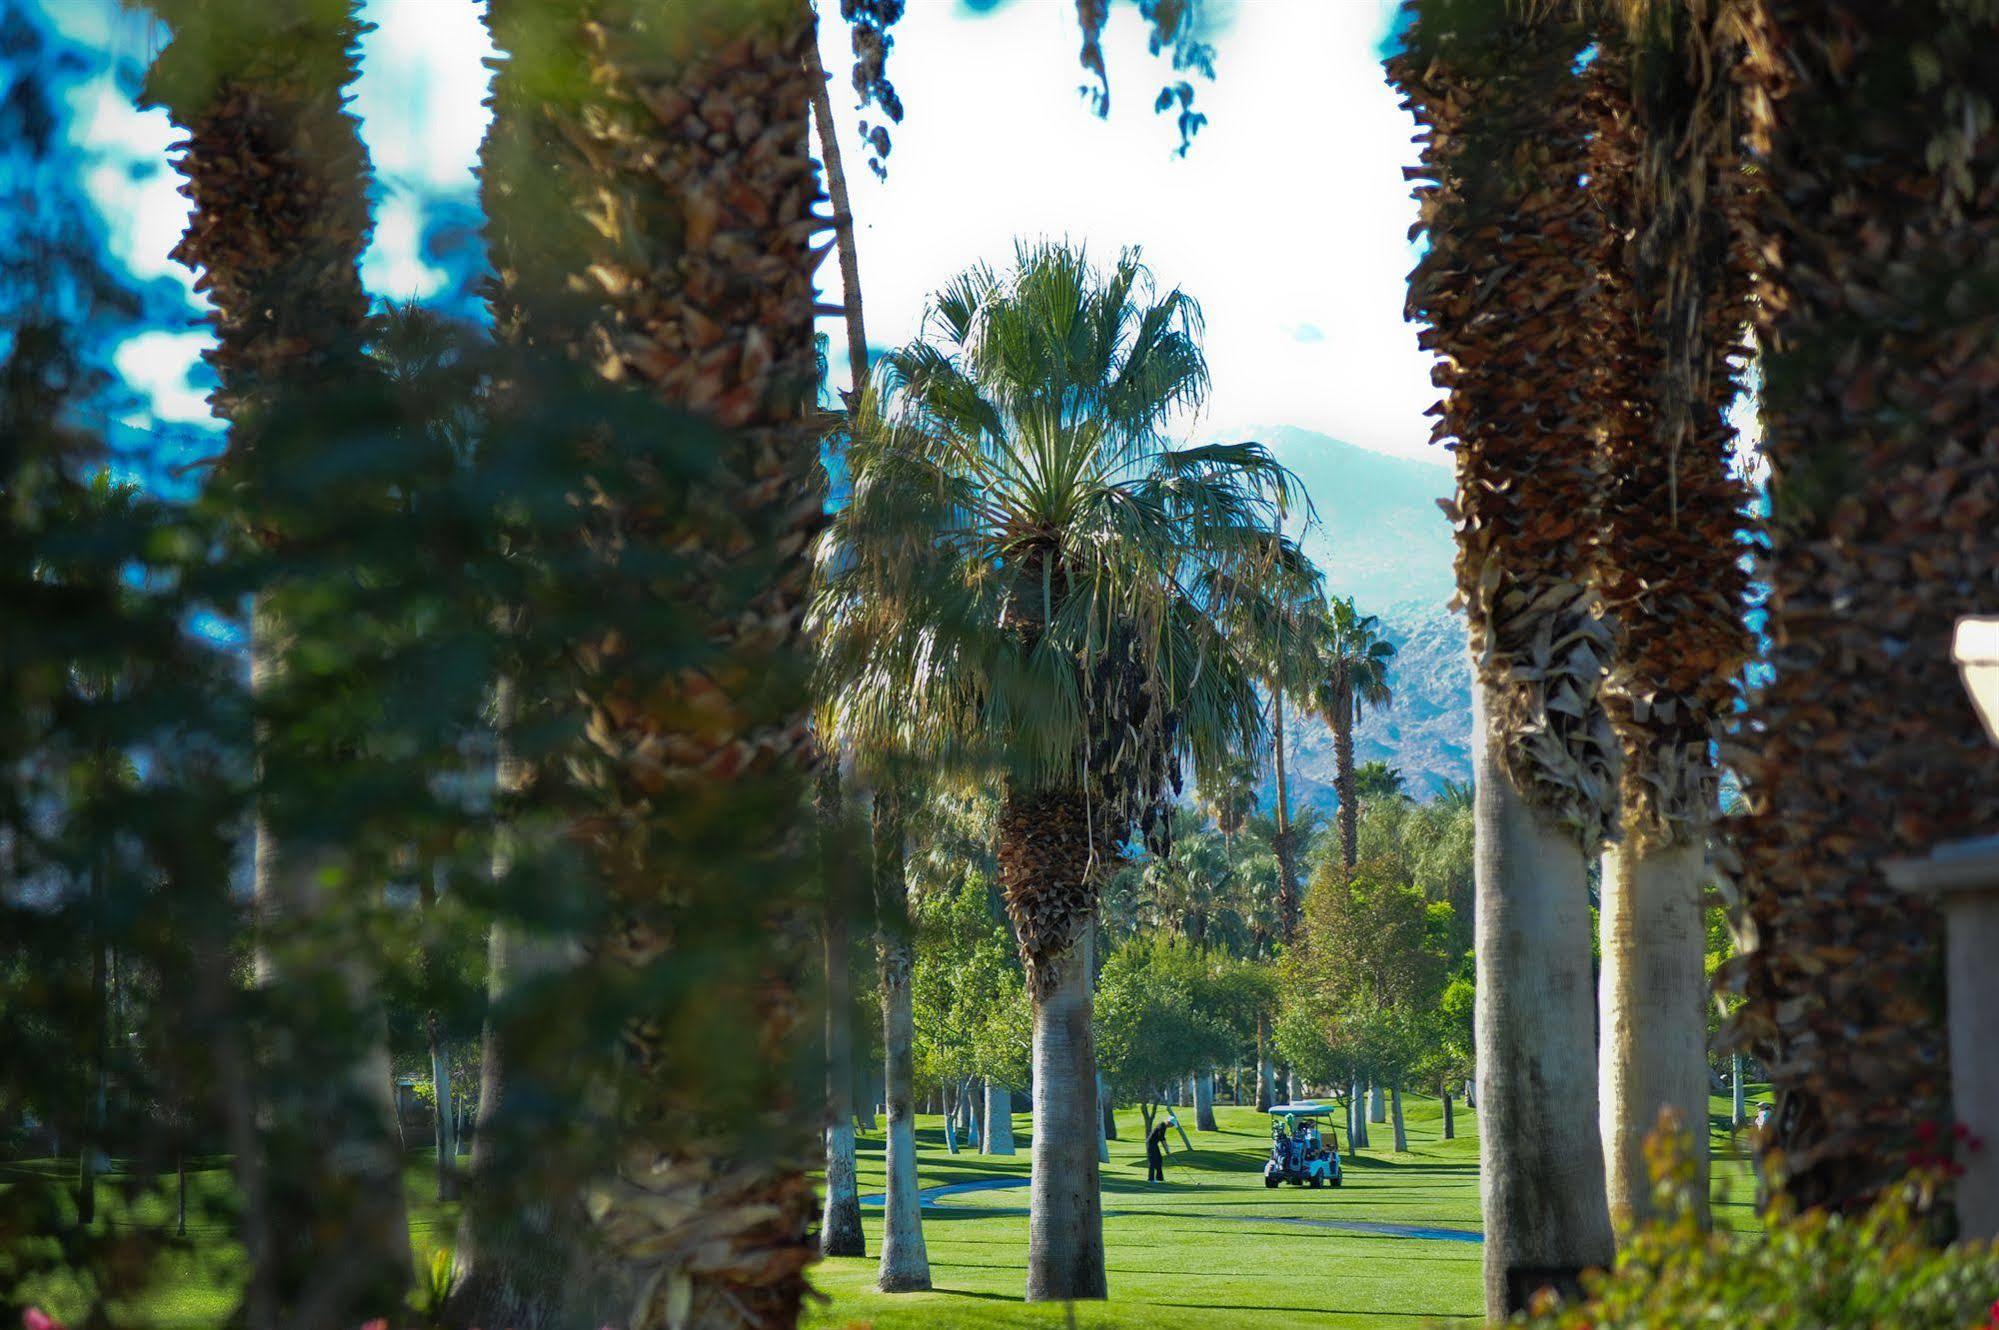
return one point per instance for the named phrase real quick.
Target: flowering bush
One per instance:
(1879, 1269)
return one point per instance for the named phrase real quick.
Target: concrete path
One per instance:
(932, 1198)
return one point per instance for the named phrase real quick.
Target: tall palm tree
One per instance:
(649, 190)
(1505, 290)
(1873, 125)
(1666, 170)
(1353, 660)
(1050, 618)
(1229, 795)
(278, 178)
(840, 1232)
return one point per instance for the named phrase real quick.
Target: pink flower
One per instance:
(36, 1319)
(379, 1323)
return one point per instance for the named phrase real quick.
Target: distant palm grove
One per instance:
(595, 820)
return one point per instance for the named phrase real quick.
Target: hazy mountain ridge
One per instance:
(1380, 537)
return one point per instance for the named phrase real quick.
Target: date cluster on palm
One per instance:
(1507, 292)
(1668, 327)
(1876, 138)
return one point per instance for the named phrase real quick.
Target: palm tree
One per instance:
(1883, 526)
(1026, 587)
(649, 191)
(1666, 171)
(1353, 660)
(840, 1231)
(278, 177)
(1229, 795)
(1377, 780)
(1505, 289)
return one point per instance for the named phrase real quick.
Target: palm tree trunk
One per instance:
(843, 219)
(1546, 1220)
(277, 176)
(1867, 747)
(441, 1107)
(1204, 1101)
(1287, 860)
(840, 1231)
(522, 1256)
(1343, 774)
(1065, 1223)
(1738, 1115)
(1106, 1121)
(1654, 1002)
(999, 1119)
(905, 1263)
(1265, 1075)
(1401, 1135)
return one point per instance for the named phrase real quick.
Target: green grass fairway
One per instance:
(1200, 1250)
(1191, 1253)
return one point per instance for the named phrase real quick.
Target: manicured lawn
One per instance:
(1201, 1250)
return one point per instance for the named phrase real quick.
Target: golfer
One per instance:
(1155, 1154)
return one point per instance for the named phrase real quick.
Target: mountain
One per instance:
(1379, 537)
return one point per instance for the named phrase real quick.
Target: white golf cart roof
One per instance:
(1299, 1111)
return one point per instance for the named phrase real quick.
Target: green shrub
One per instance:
(1877, 1269)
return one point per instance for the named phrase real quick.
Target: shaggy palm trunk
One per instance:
(650, 191)
(1065, 1214)
(1542, 1187)
(1395, 1113)
(1343, 778)
(1653, 994)
(1881, 428)
(277, 180)
(1204, 1102)
(1508, 287)
(999, 1119)
(1664, 167)
(905, 1264)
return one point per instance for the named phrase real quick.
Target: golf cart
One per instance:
(1298, 1155)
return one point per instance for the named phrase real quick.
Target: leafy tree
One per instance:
(1152, 1028)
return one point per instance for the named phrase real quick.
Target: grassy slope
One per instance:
(1177, 1253)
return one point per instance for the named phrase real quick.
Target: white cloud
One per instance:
(1289, 211)
(421, 91)
(159, 364)
(394, 265)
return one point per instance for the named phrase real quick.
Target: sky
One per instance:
(1287, 219)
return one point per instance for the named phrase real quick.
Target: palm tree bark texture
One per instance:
(277, 178)
(1051, 849)
(1673, 312)
(1873, 131)
(905, 1263)
(1505, 290)
(650, 195)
